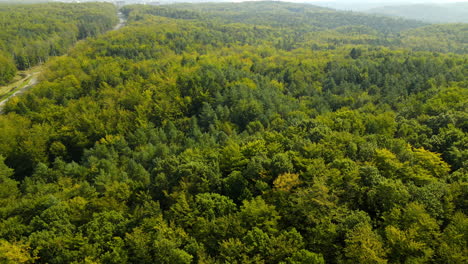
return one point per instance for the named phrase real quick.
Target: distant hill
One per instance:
(320, 28)
(23, 1)
(281, 14)
(439, 38)
(433, 13)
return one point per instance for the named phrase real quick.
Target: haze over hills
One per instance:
(432, 11)
(435, 13)
(363, 5)
(312, 16)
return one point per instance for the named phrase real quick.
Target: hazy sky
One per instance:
(384, 1)
(336, 2)
(367, 4)
(380, 2)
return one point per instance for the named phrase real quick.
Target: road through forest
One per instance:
(33, 81)
(122, 21)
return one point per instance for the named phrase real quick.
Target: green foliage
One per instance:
(239, 133)
(439, 38)
(304, 256)
(7, 69)
(32, 33)
(8, 186)
(364, 246)
(14, 253)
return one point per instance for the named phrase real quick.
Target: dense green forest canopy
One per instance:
(315, 27)
(440, 38)
(280, 14)
(192, 137)
(30, 34)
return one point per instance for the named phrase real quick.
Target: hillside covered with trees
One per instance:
(432, 13)
(236, 133)
(30, 34)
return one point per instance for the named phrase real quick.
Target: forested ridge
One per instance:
(30, 34)
(206, 134)
(456, 12)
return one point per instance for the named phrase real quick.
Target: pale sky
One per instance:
(386, 1)
(376, 2)
(371, 2)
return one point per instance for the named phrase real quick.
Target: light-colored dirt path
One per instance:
(19, 87)
(122, 21)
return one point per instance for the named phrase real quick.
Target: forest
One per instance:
(30, 34)
(442, 12)
(256, 132)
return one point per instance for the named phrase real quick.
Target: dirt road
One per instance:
(122, 21)
(33, 81)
